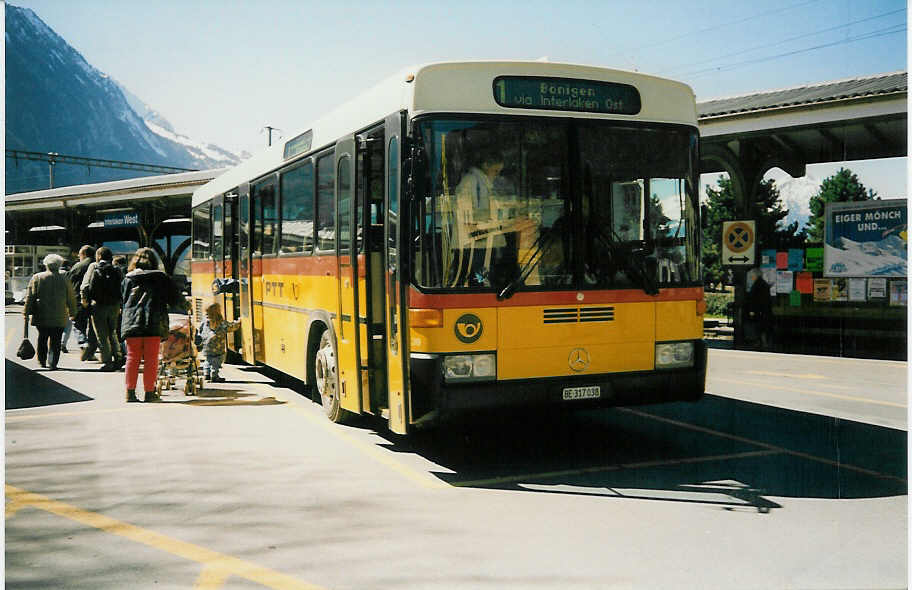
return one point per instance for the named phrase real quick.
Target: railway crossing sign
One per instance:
(738, 242)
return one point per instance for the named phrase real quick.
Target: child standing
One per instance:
(212, 336)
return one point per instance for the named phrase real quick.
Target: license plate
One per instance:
(592, 392)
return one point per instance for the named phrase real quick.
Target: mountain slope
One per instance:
(56, 101)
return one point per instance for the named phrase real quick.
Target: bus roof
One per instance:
(458, 87)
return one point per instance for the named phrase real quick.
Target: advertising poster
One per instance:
(858, 289)
(782, 260)
(840, 289)
(795, 298)
(804, 282)
(865, 239)
(898, 293)
(795, 259)
(877, 288)
(814, 259)
(783, 281)
(822, 289)
(767, 259)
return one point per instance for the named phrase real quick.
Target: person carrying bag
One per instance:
(26, 350)
(50, 300)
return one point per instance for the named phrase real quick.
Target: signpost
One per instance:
(739, 241)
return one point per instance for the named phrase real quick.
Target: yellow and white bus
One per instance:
(471, 235)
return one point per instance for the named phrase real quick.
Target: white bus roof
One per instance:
(460, 87)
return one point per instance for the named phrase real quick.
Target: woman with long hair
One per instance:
(147, 293)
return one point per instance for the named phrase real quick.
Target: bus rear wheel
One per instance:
(326, 373)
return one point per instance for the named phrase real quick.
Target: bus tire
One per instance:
(326, 378)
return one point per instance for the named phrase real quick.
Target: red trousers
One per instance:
(145, 348)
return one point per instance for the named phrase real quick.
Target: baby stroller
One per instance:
(179, 358)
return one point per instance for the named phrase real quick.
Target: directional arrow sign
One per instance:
(739, 239)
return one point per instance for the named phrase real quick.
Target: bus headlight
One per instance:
(470, 367)
(673, 355)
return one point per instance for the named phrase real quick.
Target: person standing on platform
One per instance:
(50, 300)
(85, 335)
(101, 293)
(147, 293)
(758, 311)
(120, 263)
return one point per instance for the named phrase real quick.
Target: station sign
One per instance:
(739, 241)
(124, 219)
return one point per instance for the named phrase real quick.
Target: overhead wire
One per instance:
(891, 30)
(783, 41)
(725, 24)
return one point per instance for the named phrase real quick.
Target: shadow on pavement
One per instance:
(26, 388)
(716, 451)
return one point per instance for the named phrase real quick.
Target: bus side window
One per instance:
(298, 209)
(325, 214)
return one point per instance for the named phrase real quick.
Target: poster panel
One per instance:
(865, 239)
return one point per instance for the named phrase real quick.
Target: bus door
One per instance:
(232, 300)
(218, 242)
(371, 299)
(262, 242)
(347, 284)
(396, 350)
(244, 273)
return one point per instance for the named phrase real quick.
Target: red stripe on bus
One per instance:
(464, 300)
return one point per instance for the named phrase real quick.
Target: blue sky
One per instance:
(220, 70)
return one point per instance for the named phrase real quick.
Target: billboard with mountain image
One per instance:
(866, 239)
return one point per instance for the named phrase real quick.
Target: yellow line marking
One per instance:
(793, 375)
(811, 392)
(211, 578)
(217, 562)
(758, 443)
(613, 467)
(423, 479)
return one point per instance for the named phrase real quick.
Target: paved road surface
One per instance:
(248, 486)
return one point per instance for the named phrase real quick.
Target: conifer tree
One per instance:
(842, 187)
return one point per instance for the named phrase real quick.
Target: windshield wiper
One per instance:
(632, 260)
(542, 245)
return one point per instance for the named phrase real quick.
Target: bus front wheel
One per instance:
(326, 373)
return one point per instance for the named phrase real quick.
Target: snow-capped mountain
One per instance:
(795, 195)
(57, 102)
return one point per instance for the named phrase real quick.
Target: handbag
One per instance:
(26, 350)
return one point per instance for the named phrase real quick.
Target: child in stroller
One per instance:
(211, 337)
(178, 357)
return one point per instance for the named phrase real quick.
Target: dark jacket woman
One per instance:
(147, 295)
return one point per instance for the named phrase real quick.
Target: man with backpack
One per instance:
(101, 287)
(85, 335)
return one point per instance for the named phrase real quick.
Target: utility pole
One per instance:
(52, 161)
(269, 130)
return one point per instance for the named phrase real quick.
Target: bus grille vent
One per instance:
(198, 307)
(574, 315)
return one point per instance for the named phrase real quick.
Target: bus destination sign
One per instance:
(566, 94)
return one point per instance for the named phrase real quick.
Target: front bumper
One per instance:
(429, 392)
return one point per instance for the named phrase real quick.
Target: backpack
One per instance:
(105, 287)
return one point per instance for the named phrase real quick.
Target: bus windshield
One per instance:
(534, 204)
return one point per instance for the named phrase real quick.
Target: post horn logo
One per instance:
(579, 359)
(468, 328)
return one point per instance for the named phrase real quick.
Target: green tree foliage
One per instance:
(842, 187)
(767, 211)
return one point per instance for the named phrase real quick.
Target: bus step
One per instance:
(385, 413)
